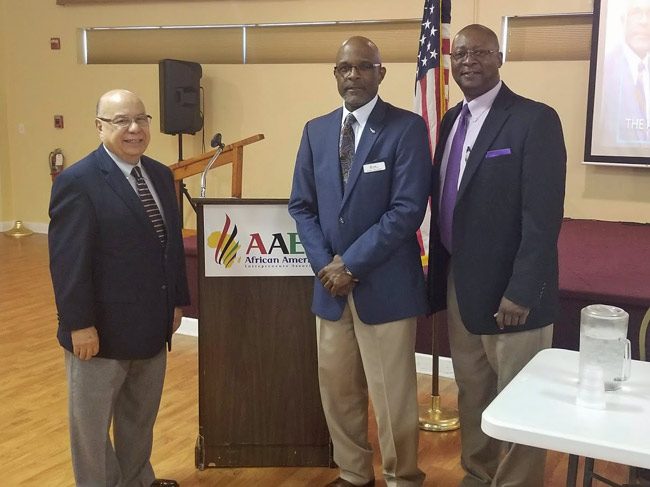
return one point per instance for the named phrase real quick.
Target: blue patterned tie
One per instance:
(450, 188)
(150, 206)
(346, 147)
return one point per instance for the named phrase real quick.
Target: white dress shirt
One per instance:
(126, 168)
(361, 114)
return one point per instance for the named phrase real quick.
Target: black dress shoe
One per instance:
(164, 483)
(339, 482)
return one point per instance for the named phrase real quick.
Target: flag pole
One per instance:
(431, 102)
(433, 417)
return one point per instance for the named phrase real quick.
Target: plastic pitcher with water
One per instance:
(604, 343)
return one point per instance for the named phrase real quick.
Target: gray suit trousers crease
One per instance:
(356, 360)
(126, 394)
(483, 366)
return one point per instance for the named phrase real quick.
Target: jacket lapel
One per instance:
(499, 113)
(445, 130)
(371, 132)
(331, 152)
(118, 183)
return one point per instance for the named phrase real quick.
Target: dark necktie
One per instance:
(346, 147)
(639, 91)
(450, 187)
(150, 206)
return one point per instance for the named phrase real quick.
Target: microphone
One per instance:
(215, 142)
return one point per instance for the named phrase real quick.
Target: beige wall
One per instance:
(5, 181)
(274, 100)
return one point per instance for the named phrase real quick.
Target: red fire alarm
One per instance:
(58, 121)
(55, 43)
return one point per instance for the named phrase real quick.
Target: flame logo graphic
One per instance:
(224, 244)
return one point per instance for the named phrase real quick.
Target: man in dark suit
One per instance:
(118, 270)
(498, 197)
(359, 195)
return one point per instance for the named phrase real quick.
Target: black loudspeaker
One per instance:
(180, 108)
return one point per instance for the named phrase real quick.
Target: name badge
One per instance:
(374, 167)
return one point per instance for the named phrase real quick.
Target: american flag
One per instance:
(432, 81)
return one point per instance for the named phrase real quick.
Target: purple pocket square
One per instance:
(497, 152)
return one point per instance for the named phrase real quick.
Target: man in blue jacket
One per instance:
(359, 195)
(118, 270)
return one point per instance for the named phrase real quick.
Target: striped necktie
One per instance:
(346, 147)
(150, 206)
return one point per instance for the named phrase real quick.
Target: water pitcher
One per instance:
(604, 343)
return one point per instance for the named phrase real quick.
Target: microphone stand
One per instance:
(209, 166)
(187, 195)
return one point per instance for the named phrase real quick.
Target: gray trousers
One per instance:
(126, 394)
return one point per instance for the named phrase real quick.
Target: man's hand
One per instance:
(85, 342)
(335, 279)
(510, 314)
(178, 316)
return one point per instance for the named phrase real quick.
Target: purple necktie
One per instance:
(450, 188)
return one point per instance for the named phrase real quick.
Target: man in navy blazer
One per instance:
(493, 265)
(118, 270)
(359, 195)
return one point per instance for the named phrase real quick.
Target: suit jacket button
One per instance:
(163, 287)
(341, 220)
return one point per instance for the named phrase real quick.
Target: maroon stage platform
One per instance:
(600, 262)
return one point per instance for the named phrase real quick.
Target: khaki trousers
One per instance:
(483, 366)
(354, 360)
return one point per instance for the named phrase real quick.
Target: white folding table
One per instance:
(538, 408)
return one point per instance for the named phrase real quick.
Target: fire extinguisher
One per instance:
(56, 163)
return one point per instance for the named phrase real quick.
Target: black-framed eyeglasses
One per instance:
(474, 53)
(344, 69)
(125, 122)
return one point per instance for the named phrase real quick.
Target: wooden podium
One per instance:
(259, 402)
(231, 154)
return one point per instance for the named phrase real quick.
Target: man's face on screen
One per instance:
(637, 26)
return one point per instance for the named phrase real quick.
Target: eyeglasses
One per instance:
(362, 68)
(474, 53)
(125, 122)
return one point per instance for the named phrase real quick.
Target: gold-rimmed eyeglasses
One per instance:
(125, 122)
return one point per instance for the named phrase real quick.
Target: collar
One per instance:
(483, 103)
(124, 166)
(362, 113)
(633, 60)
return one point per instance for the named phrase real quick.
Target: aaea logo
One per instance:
(224, 244)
